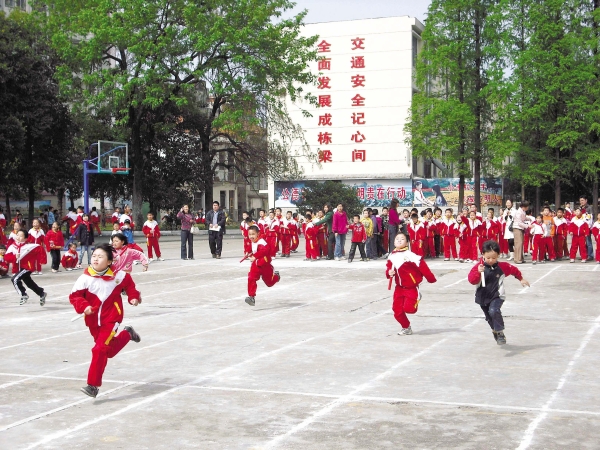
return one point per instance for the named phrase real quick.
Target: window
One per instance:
(415, 50)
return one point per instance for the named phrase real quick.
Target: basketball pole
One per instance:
(86, 186)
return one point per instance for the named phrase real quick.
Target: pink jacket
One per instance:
(340, 222)
(123, 259)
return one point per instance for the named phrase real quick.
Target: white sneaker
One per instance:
(337, 259)
(446, 259)
(405, 331)
(583, 261)
(467, 260)
(160, 259)
(572, 260)
(69, 268)
(34, 273)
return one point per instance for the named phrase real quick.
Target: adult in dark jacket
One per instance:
(187, 222)
(85, 235)
(215, 222)
(327, 220)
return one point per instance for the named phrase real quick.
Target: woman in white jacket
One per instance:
(509, 217)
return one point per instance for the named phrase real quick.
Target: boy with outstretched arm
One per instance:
(488, 275)
(408, 270)
(261, 265)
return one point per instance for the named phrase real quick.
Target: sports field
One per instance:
(316, 364)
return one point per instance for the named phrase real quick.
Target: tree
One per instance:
(317, 193)
(450, 115)
(138, 56)
(37, 133)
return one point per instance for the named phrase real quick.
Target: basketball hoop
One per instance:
(119, 169)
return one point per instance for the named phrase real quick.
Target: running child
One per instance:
(152, 232)
(408, 270)
(37, 236)
(126, 230)
(97, 295)
(125, 255)
(55, 241)
(23, 257)
(359, 237)
(490, 294)
(70, 258)
(261, 265)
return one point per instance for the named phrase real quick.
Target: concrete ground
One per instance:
(316, 364)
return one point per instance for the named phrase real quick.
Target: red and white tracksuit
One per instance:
(95, 220)
(293, 226)
(103, 294)
(579, 228)
(310, 237)
(2, 222)
(152, 232)
(409, 269)
(490, 231)
(539, 244)
(417, 235)
(23, 266)
(473, 233)
(69, 259)
(114, 218)
(38, 237)
(285, 236)
(273, 236)
(447, 228)
(596, 234)
(247, 243)
(263, 225)
(261, 267)
(322, 239)
(462, 232)
(560, 236)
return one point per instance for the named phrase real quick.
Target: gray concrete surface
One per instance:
(316, 364)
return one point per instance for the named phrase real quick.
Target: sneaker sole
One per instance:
(250, 302)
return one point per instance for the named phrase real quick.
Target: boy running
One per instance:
(261, 265)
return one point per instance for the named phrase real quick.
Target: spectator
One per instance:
(51, 218)
(393, 223)
(187, 238)
(509, 217)
(519, 228)
(588, 214)
(340, 228)
(215, 220)
(328, 221)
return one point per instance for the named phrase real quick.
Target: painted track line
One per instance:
(457, 282)
(539, 279)
(348, 397)
(529, 433)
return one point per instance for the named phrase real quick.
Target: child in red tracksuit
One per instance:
(23, 256)
(272, 234)
(244, 226)
(462, 233)
(560, 235)
(310, 236)
(488, 275)
(261, 265)
(579, 229)
(408, 270)
(596, 234)
(538, 244)
(448, 229)
(474, 233)
(490, 228)
(431, 230)
(359, 237)
(3, 263)
(152, 232)
(286, 235)
(295, 231)
(97, 295)
(70, 258)
(417, 234)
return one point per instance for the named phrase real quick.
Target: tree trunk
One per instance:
(557, 193)
(477, 141)
(595, 198)
(8, 214)
(138, 171)
(537, 199)
(207, 171)
(522, 191)
(31, 198)
(60, 195)
(461, 193)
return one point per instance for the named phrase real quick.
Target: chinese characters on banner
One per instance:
(372, 193)
(357, 80)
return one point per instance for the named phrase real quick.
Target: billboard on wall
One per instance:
(431, 192)
(372, 193)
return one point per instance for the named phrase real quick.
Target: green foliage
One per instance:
(316, 194)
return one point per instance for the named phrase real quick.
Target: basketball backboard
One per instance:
(113, 157)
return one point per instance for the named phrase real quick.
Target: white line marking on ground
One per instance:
(454, 284)
(539, 279)
(596, 268)
(528, 436)
(315, 394)
(348, 397)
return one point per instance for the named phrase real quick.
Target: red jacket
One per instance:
(29, 254)
(358, 232)
(490, 229)
(36, 237)
(262, 252)
(103, 294)
(410, 269)
(273, 229)
(54, 240)
(579, 227)
(562, 227)
(151, 229)
(417, 233)
(475, 228)
(447, 227)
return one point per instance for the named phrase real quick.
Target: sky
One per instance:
(334, 10)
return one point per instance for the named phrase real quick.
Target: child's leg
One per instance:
(18, 283)
(26, 277)
(473, 248)
(583, 248)
(253, 277)
(398, 308)
(535, 248)
(268, 275)
(598, 250)
(361, 249)
(452, 240)
(352, 251)
(107, 346)
(574, 247)
(368, 242)
(495, 314)
(550, 248)
(149, 246)
(156, 246)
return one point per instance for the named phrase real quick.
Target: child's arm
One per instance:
(426, 271)
(509, 269)
(389, 269)
(133, 295)
(475, 274)
(77, 299)
(261, 255)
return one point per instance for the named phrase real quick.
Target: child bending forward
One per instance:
(488, 275)
(408, 270)
(97, 294)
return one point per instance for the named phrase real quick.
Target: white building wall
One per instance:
(387, 93)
